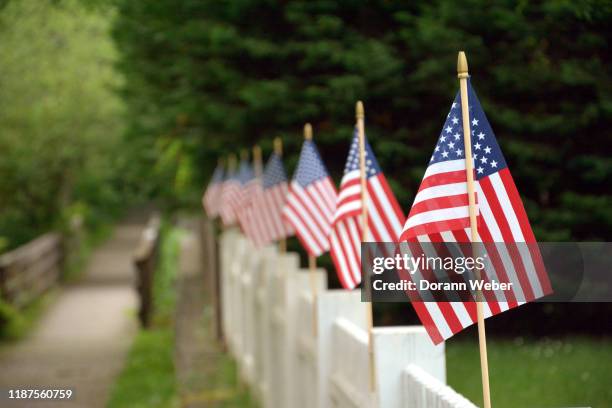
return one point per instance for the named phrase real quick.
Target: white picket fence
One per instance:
(298, 351)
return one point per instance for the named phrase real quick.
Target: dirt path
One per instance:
(81, 340)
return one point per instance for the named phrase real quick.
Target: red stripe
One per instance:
(427, 321)
(521, 215)
(434, 227)
(443, 178)
(438, 203)
(317, 226)
(392, 200)
(502, 223)
(485, 236)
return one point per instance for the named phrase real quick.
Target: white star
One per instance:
(474, 122)
(475, 156)
(437, 148)
(455, 120)
(454, 105)
(449, 129)
(456, 136)
(481, 136)
(487, 150)
(451, 145)
(459, 152)
(445, 154)
(480, 170)
(477, 146)
(493, 163)
(483, 159)
(443, 138)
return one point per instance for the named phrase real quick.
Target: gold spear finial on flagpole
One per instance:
(278, 146)
(360, 116)
(307, 131)
(462, 74)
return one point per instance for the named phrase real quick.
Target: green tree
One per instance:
(222, 75)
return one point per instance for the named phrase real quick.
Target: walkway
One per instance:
(82, 339)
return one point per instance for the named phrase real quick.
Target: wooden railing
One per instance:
(145, 260)
(30, 270)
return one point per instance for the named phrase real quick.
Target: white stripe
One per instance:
(444, 214)
(443, 190)
(439, 320)
(517, 234)
(303, 232)
(349, 239)
(311, 226)
(396, 223)
(444, 167)
(459, 308)
(316, 218)
(354, 205)
(340, 258)
(321, 194)
(489, 220)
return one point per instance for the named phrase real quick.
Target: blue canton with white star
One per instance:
(487, 155)
(310, 167)
(274, 173)
(352, 162)
(245, 172)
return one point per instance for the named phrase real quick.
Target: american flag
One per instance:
(311, 201)
(230, 196)
(267, 214)
(440, 214)
(246, 177)
(210, 199)
(384, 214)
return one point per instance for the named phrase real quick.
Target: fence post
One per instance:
(145, 259)
(332, 305)
(397, 347)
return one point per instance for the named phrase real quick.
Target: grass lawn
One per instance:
(568, 372)
(148, 377)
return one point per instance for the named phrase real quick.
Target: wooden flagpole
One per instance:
(462, 74)
(360, 116)
(312, 260)
(278, 149)
(257, 166)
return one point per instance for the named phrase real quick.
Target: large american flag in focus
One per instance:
(268, 222)
(311, 201)
(384, 214)
(439, 213)
(210, 199)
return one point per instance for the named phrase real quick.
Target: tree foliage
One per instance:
(61, 131)
(218, 75)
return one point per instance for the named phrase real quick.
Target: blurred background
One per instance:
(108, 105)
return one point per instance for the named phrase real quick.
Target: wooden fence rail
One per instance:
(145, 260)
(30, 270)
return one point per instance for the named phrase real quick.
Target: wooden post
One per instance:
(462, 74)
(278, 149)
(360, 116)
(312, 260)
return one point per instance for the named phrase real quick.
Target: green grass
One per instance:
(573, 371)
(148, 377)
(16, 324)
